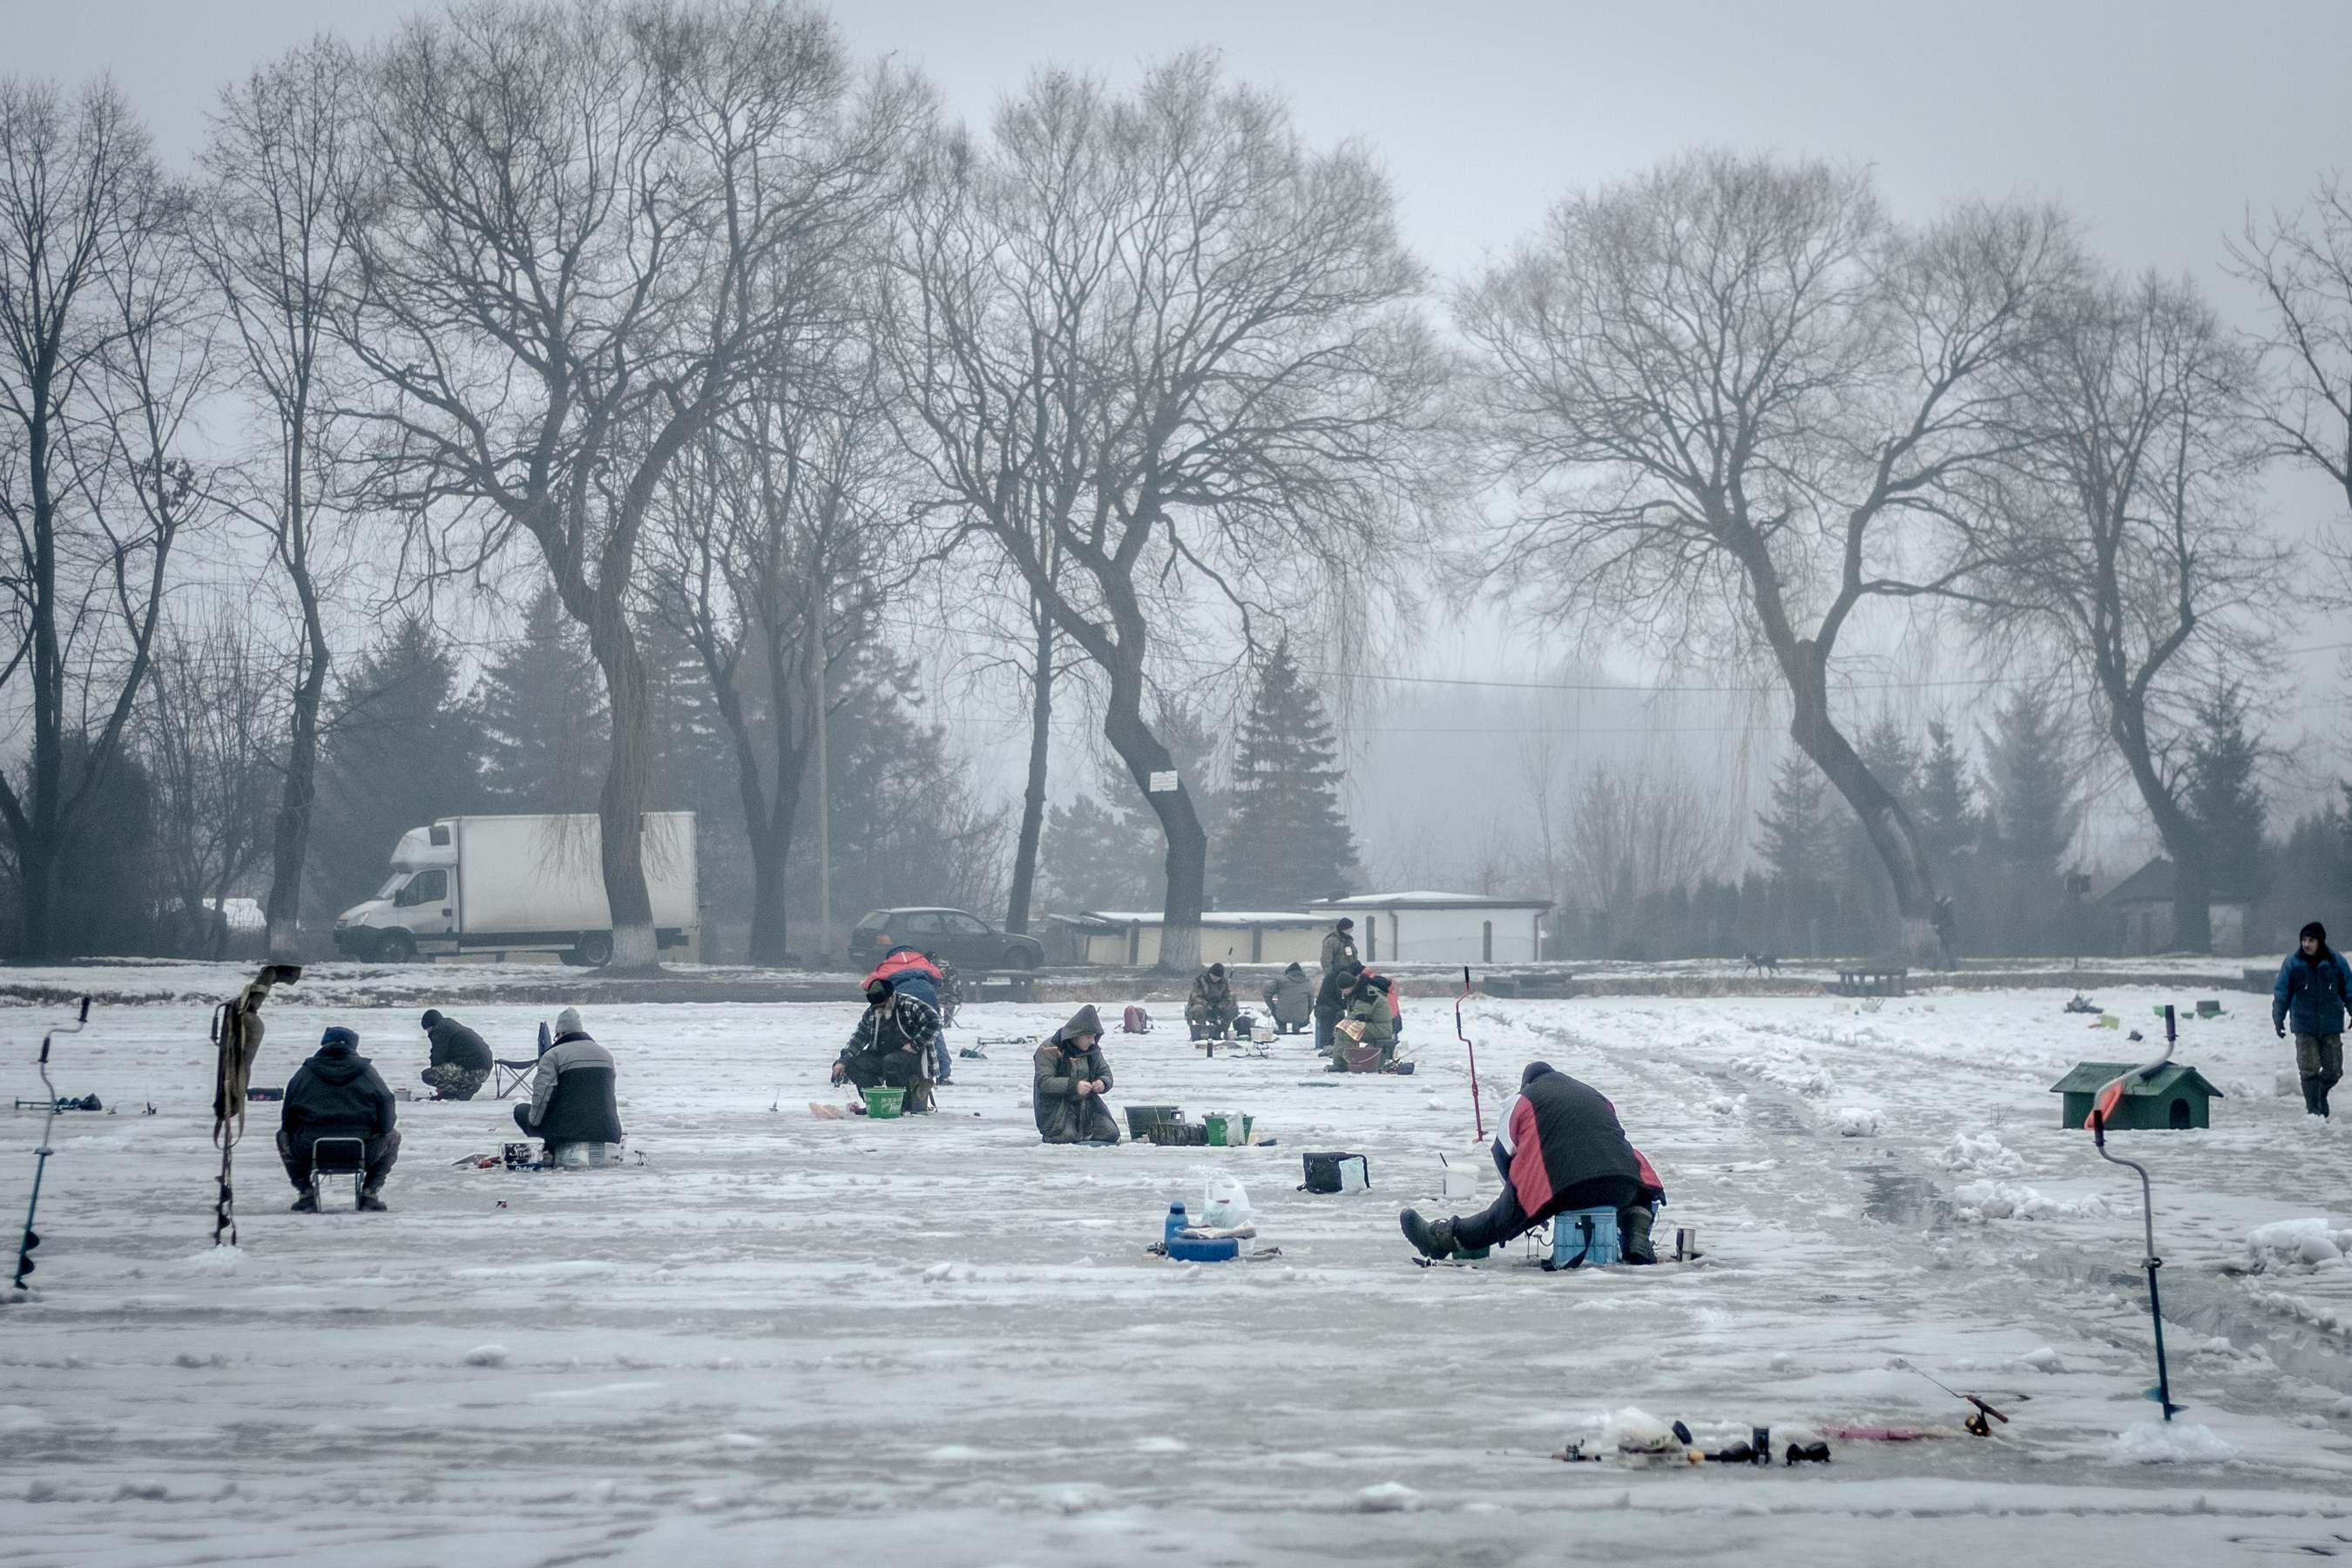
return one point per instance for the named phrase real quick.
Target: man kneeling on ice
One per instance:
(574, 1098)
(338, 1094)
(893, 1043)
(1560, 1149)
(461, 1059)
(1071, 1077)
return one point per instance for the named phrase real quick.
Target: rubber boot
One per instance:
(2314, 1095)
(1434, 1238)
(307, 1204)
(372, 1202)
(1635, 1221)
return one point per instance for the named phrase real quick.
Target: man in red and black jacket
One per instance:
(1560, 1149)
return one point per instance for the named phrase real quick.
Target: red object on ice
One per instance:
(897, 962)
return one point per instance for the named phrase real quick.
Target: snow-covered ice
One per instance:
(934, 1341)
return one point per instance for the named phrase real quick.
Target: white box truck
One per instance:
(518, 884)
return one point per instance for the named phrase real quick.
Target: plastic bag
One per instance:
(1225, 1206)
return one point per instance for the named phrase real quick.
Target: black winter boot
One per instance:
(307, 1204)
(1635, 1221)
(1433, 1237)
(372, 1202)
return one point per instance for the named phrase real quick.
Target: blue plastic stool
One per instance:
(1584, 1238)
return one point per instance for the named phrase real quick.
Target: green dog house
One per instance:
(2177, 1099)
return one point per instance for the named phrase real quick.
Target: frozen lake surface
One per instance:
(934, 1341)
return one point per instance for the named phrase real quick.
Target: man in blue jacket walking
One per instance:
(2312, 984)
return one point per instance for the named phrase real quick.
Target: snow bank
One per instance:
(2177, 1443)
(2297, 1243)
(1980, 1154)
(1388, 1497)
(1857, 1122)
(2014, 1200)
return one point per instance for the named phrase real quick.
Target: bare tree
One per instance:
(207, 732)
(277, 224)
(2131, 544)
(1159, 334)
(1639, 829)
(773, 544)
(104, 349)
(2302, 265)
(577, 240)
(1738, 404)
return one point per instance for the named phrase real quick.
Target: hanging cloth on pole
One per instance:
(238, 1033)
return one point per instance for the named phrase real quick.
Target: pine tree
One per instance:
(1798, 834)
(2225, 796)
(2035, 808)
(1287, 841)
(1949, 821)
(1093, 859)
(400, 750)
(542, 712)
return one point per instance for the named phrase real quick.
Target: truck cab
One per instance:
(417, 910)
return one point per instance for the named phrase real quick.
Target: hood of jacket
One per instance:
(338, 1064)
(1085, 1021)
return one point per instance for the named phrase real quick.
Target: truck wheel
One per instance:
(595, 949)
(396, 947)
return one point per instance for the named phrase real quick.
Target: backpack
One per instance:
(1135, 1021)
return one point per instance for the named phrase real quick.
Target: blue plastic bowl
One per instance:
(1221, 1249)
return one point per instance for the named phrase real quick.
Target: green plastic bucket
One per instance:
(882, 1103)
(1227, 1129)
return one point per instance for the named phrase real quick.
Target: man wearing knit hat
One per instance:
(460, 1059)
(338, 1094)
(573, 1096)
(2312, 985)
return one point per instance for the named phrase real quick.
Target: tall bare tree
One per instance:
(2131, 544)
(2302, 263)
(208, 734)
(775, 544)
(104, 352)
(275, 225)
(571, 235)
(1159, 333)
(1738, 405)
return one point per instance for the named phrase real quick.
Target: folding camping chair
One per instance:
(333, 1160)
(508, 1076)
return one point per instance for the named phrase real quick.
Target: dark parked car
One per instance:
(964, 939)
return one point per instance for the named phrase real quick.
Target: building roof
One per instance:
(2154, 883)
(2089, 1078)
(1422, 899)
(1243, 918)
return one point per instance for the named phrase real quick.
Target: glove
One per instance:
(2282, 1030)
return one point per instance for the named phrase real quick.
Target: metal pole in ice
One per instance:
(2100, 1108)
(1476, 1115)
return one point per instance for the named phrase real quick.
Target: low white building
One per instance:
(1227, 936)
(1425, 927)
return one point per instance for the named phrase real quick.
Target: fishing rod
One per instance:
(1476, 1114)
(2102, 1107)
(32, 1238)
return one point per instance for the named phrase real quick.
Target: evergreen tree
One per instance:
(1798, 831)
(1094, 859)
(2035, 804)
(1287, 840)
(400, 750)
(1125, 848)
(1949, 821)
(2225, 796)
(542, 715)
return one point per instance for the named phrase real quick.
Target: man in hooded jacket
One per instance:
(338, 1094)
(575, 1095)
(1332, 1000)
(1290, 999)
(1070, 1080)
(1560, 1148)
(2313, 986)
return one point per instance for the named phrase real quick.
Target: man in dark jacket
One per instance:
(1339, 945)
(892, 1044)
(2312, 985)
(338, 1094)
(461, 1059)
(1210, 1009)
(1560, 1148)
(1332, 1000)
(1071, 1078)
(575, 1095)
(1290, 999)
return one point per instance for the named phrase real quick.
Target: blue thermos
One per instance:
(1176, 1222)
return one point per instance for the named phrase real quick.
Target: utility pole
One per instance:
(817, 765)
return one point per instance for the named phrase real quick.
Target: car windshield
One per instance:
(392, 884)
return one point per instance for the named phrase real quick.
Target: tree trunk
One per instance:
(291, 842)
(1033, 801)
(628, 785)
(2192, 888)
(1891, 831)
(1188, 845)
(771, 845)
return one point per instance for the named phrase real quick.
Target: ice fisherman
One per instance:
(1290, 1000)
(1331, 999)
(460, 1063)
(575, 1094)
(2313, 985)
(1368, 1018)
(1560, 1148)
(892, 1044)
(338, 1093)
(1071, 1080)
(1210, 1009)
(1339, 943)
(919, 977)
